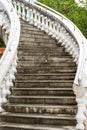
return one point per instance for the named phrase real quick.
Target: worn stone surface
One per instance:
(42, 97)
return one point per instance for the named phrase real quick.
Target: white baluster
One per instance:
(10, 79)
(8, 85)
(19, 9)
(63, 30)
(23, 11)
(31, 16)
(8, 28)
(58, 36)
(27, 14)
(50, 27)
(16, 57)
(1, 101)
(35, 17)
(15, 61)
(80, 117)
(61, 41)
(15, 5)
(46, 25)
(14, 65)
(39, 20)
(55, 32)
(42, 23)
(12, 73)
(4, 22)
(4, 92)
(14, 69)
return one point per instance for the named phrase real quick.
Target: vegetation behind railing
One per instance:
(2, 43)
(70, 9)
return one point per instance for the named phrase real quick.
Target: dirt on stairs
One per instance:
(42, 97)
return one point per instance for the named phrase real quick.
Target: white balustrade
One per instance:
(8, 62)
(54, 24)
(80, 117)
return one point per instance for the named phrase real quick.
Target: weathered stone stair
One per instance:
(42, 97)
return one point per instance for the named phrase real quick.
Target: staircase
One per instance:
(42, 97)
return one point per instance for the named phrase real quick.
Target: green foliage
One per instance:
(2, 44)
(70, 9)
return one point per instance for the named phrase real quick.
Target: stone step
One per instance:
(39, 48)
(30, 27)
(23, 22)
(33, 32)
(45, 63)
(18, 126)
(27, 54)
(38, 40)
(40, 109)
(37, 52)
(26, 69)
(39, 43)
(27, 24)
(44, 83)
(47, 100)
(45, 60)
(52, 44)
(50, 59)
(35, 35)
(33, 56)
(42, 91)
(37, 119)
(65, 76)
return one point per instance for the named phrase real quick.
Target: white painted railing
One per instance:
(58, 27)
(8, 62)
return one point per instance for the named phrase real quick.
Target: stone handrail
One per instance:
(8, 62)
